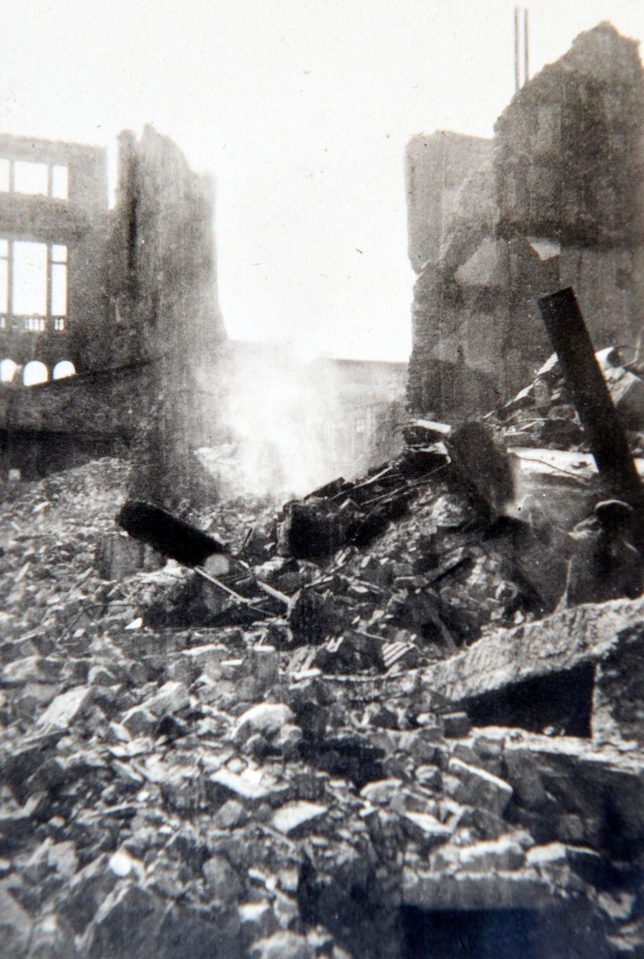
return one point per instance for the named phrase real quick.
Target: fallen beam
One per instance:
(583, 377)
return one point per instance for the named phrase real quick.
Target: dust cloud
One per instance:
(281, 416)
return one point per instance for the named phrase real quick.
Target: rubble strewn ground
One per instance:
(430, 741)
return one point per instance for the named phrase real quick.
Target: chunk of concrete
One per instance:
(505, 853)
(264, 718)
(556, 644)
(295, 818)
(425, 828)
(521, 889)
(67, 707)
(223, 882)
(172, 697)
(246, 789)
(283, 945)
(480, 788)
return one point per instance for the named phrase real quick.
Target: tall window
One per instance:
(29, 288)
(33, 285)
(30, 178)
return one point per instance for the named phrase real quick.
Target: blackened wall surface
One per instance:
(160, 262)
(163, 307)
(568, 147)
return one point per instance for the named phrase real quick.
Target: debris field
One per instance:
(402, 711)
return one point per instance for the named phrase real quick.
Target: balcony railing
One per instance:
(12, 323)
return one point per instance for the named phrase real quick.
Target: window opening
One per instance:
(35, 372)
(4, 282)
(59, 182)
(7, 371)
(30, 178)
(29, 292)
(33, 285)
(63, 369)
(58, 268)
(34, 178)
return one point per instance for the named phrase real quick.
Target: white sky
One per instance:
(301, 109)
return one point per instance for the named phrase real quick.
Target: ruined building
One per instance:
(554, 200)
(128, 296)
(53, 222)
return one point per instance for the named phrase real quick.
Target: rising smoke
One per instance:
(281, 412)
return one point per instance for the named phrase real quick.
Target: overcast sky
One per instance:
(301, 109)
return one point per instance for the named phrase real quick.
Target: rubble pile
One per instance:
(543, 415)
(388, 726)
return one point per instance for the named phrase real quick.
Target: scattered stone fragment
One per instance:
(246, 788)
(123, 864)
(223, 882)
(480, 788)
(264, 718)
(456, 724)
(172, 697)
(383, 791)
(497, 854)
(15, 926)
(64, 709)
(257, 920)
(502, 890)
(425, 829)
(298, 817)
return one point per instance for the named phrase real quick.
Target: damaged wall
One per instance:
(559, 205)
(155, 320)
(436, 166)
(163, 307)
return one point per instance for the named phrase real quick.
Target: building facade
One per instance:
(53, 222)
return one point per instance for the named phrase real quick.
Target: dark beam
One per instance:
(583, 377)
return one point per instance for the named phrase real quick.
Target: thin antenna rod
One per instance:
(526, 47)
(517, 79)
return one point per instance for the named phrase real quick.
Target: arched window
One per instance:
(64, 368)
(7, 371)
(35, 372)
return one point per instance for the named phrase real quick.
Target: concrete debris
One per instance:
(295, 817)
(433, 726)
(64, 709)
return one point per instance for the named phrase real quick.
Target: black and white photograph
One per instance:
(321, 479)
